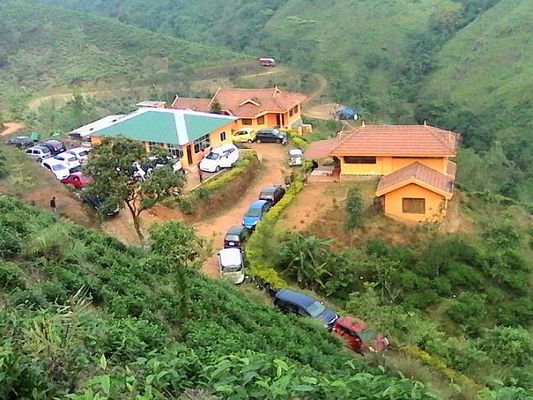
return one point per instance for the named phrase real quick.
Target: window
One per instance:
(175, 151)
(291, 112)
(261, 120)
(246, 121)
(359, 160)
(155, 145)
(413, 206)
(201, 143)
(222, 136)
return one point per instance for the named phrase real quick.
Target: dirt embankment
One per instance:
(10, 128)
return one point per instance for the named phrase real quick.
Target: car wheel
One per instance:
(279, 141)
(258, 140)
(217, 168)
(249, 140)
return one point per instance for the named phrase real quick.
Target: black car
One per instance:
(99, 204)
(271, 136)
(236, 236)
(21, 142)
(298, 303)
(55, 146)
(273, 194)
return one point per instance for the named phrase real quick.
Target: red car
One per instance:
(357, 337)
(78, 180)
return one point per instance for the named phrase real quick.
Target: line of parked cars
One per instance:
(267, 135)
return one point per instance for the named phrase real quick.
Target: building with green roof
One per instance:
(184, 133)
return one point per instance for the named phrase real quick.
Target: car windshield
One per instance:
(232, 238)
(256, 212)
(231, 268)
(58, 167)
(213, 156)
(315, 309)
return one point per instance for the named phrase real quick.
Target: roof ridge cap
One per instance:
(431, 130)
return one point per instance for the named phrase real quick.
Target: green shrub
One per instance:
(3, 166)
(508, 346)
(354, 208)
(186, 205)
(469, 311)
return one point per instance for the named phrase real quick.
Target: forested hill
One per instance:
(460, 64)
(44, 46)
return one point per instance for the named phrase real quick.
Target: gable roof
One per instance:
(176, 127)
(420, 175)
(245, 103)
(398, 140)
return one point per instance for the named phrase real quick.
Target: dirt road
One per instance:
(10, 128)
(272, 171)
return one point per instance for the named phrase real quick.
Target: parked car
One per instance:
(55, 146)
(255, 213)
(78, 180)
(21, 142)
(236, 236)
(295, 157)
(59, 168)
(354, 331)
(271, 136)
(231, 265)
(272, 194)
(301, 304)
(224, 156)
(245, 135)
(109, 209)
(160, 161)
(81, 153)
(38, 152)
(68, 158)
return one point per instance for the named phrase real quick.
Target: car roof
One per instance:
(295, 297)
(78, 149)
(53, 141)
(39, 147)
(269, 189)
(53, 160)
(246, 130)
(258, 204)
(224, 147)
(352, 323)
(64, 153)
(295, 152)
(236, 230)
(231, 256)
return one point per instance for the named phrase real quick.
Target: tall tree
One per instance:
(113, 167)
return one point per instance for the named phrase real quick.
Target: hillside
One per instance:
(82, 314)
(484, 84)
(44, 46)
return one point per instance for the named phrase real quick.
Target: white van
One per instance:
(231, 265)
(81, 153)
(224, 156)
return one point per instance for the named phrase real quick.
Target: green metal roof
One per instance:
(176, 127)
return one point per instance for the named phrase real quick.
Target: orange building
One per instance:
(413, 161)
(255, 108)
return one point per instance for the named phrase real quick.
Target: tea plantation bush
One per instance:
(85, 317)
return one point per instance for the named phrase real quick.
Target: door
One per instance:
(189, 155)
(279, 120)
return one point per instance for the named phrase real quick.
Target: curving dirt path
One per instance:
(11, 128)
(272, 166)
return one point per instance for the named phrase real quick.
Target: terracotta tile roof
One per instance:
(245, 103)
(398, 140)
(189, 103)
(419, 174)
(320, 149)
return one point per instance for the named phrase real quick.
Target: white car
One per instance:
(60, 169)
(231, 265)
(296, 157)
(224, 156)
(81, 153)
(68, 158)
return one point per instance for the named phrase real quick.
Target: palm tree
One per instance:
(304, 259)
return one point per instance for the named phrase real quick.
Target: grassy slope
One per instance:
(488, 65)
(48, 46)
(135, 316)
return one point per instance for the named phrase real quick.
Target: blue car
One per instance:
(298, 303)
(255, 213)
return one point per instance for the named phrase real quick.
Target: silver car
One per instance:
(39, 152)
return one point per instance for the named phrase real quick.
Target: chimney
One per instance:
(363, 123)
(425, 123)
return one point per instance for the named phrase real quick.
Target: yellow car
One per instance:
(244, 135)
